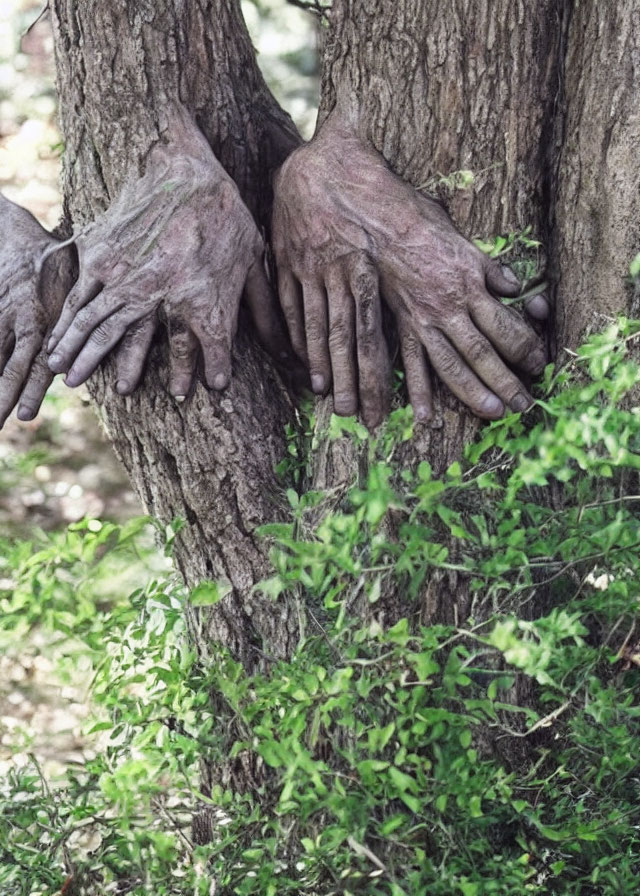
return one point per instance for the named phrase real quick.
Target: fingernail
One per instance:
(25, 413)
(537, 307)
(508, 274)
(219, 381)
(55, 363)
(493, 407)
(72, 380)
(51, 344)
(422, 413)
(519, 402)
(179, 398)
(123, 386)
(317, 382)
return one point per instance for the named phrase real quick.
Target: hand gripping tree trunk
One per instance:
(500, 89)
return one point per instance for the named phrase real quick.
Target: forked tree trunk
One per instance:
(535, 98)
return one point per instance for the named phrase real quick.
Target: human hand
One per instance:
(35, 276)
(179, 243)
(345, 228)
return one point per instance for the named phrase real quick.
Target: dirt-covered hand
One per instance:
(34, 279)
(346, 229)
(177, 243)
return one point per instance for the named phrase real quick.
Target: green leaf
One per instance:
(209, 593)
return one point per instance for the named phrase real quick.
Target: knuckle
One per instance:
(477, 349)
(12, 374)
(101, 335)
(181, 348)
(340, 333)
(84, 318)
(411, 345)
(524, 343)
(315, 326)
(450, 364)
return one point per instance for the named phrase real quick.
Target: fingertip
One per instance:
(26, 413)
(537, 307)
(372, 418)
(345, 405)
(520, 402)
(74, 379)
(536, 362)
(318, 383)
(492, 408)
(220, 381)
(422, 413)
(501, 280)
(123, 387)
(56, 363)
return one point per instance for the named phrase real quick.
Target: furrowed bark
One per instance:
(437, 88)
(597, 217)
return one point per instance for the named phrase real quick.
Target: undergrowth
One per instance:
(497, 754)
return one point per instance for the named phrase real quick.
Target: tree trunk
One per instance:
(501, 89)
(119, 64)
(597, 212)
(439, 88)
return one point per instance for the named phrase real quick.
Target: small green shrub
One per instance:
(496, 755)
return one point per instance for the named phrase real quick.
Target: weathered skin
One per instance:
(34, 280)
(346, 228)
(176, 243)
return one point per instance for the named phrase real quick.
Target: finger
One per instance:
(183, 357)
(16, 371)
(317, 331)
(416, 371)
(6, 349)
(537, 307)
(263, 308)
(508, 333)
(216, 354)
(102, 339)
(342, 348)
(374, 366)
(460, 379)
(131, 354)
(291, 303)
(92, 319)
(80, 295)
(501, 280)
(479, 354)
(39, 380)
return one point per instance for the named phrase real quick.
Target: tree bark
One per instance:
(535, 98)
(508, 90)
(596, 231)
(438, 88)
(210, 461)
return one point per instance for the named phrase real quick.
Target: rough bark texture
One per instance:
(437, 87)
(597, 226)
(211, 460)
(448, 86)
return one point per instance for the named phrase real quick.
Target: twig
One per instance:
(312, 6)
